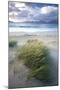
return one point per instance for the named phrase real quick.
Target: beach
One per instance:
(19, 79)
(49, 37)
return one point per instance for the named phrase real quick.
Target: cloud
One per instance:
(13, 13)
(22, 12)
(21, 6)
(12, 16)
(17, 4)
(48, 9)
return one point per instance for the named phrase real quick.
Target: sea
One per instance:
(31, 27)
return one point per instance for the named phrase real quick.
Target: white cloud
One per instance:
(26, 10)
(48, 9)
(12, 16)
(17, 20)
(13, 13)
(19, 4)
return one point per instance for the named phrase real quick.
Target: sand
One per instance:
(18, 72)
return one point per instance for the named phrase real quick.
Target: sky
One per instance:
(32, 12)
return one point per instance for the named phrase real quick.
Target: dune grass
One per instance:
(36, 56)
(12, 43)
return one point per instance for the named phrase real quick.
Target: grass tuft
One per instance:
(36, 56)
(12, 43)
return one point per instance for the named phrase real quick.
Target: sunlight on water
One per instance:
(14, 29)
